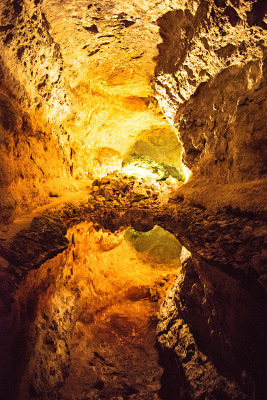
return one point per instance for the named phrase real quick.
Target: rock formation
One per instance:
(211, 85)
(92, 95)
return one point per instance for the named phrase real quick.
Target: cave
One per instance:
(133, 245)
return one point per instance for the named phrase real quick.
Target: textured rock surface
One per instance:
(211, 84)
(212, 321)
(209, 322)
(31, 67)
(76, 95)
(79, 336)
(76, 78)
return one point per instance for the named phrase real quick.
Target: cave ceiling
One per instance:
(81, 81)
(87, 69)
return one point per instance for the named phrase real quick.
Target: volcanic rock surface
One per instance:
(86, 87)
(76, 78)
(207, 324)
(210, 81)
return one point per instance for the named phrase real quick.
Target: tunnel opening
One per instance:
(156, 153)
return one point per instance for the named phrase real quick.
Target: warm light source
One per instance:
(139, 171)
(59, 107)
(141, 166)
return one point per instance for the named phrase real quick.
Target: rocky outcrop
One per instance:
(211, 85)
(33, 148)
(30, 161)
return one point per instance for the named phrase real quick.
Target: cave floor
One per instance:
(57, 198)
(232, 239)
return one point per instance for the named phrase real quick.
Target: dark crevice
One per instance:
(173, 380)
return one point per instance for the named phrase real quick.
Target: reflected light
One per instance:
(138, 172)
(187, 172)
(185, 254)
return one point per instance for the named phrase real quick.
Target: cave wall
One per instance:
(30, 159)
(210, 81)
(67, 101)
(34, 147)
(211, 323)
(79, 320)
(86, 82)
(81, 75)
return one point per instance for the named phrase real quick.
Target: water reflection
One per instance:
(89, 315)
(157, 245)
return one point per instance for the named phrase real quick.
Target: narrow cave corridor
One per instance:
(133, 200)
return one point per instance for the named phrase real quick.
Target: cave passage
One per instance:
(124, 126)
(156, 154)
(89, 316)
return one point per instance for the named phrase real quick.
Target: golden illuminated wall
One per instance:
(77, 88)
(80, 80)
(100, 296)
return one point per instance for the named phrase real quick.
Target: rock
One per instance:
(53, 194)
(100, 199)
(104, 181)
(143, 221)
(182, 84)
(138, 193)
(71, 110)
(260, 231)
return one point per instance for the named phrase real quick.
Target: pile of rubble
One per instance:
(121, 190)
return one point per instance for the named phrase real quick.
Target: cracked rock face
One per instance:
(201, 322)
(82, 336)
(211, 324)
(211, 85)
